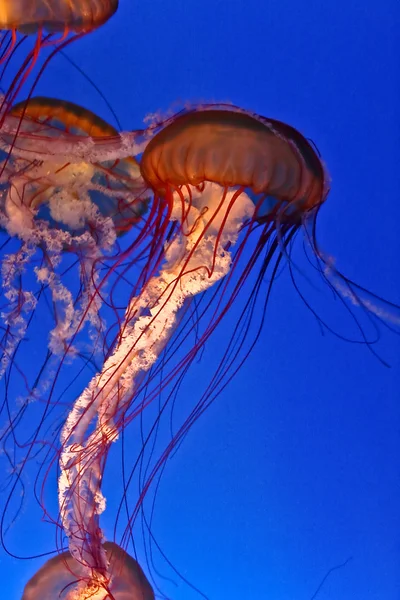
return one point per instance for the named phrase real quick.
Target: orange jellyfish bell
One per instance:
(29, 16)
(54, 579)
(55, 23)
(236, 149)
(73, 116)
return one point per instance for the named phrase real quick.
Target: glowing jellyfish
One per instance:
(52, 23)
(218, 176)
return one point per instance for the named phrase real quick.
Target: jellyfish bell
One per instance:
(59, 15)
(55, 188)
(56, 579)
(236, 149)
(54, 24)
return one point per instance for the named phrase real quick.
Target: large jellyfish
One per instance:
(54, 24)
(220, 176)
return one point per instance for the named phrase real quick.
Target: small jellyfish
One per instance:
(56, 579)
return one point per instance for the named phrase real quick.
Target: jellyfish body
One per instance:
(210, 171)
(56, 578)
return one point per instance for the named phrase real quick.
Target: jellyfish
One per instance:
(53, 210)
(220, 176)
(54, 24)
(54, 578)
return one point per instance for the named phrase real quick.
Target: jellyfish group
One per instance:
(183, 210)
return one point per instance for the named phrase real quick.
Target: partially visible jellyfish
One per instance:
(59, 15)
(60, 218)
(54, 25)
(55, 578)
